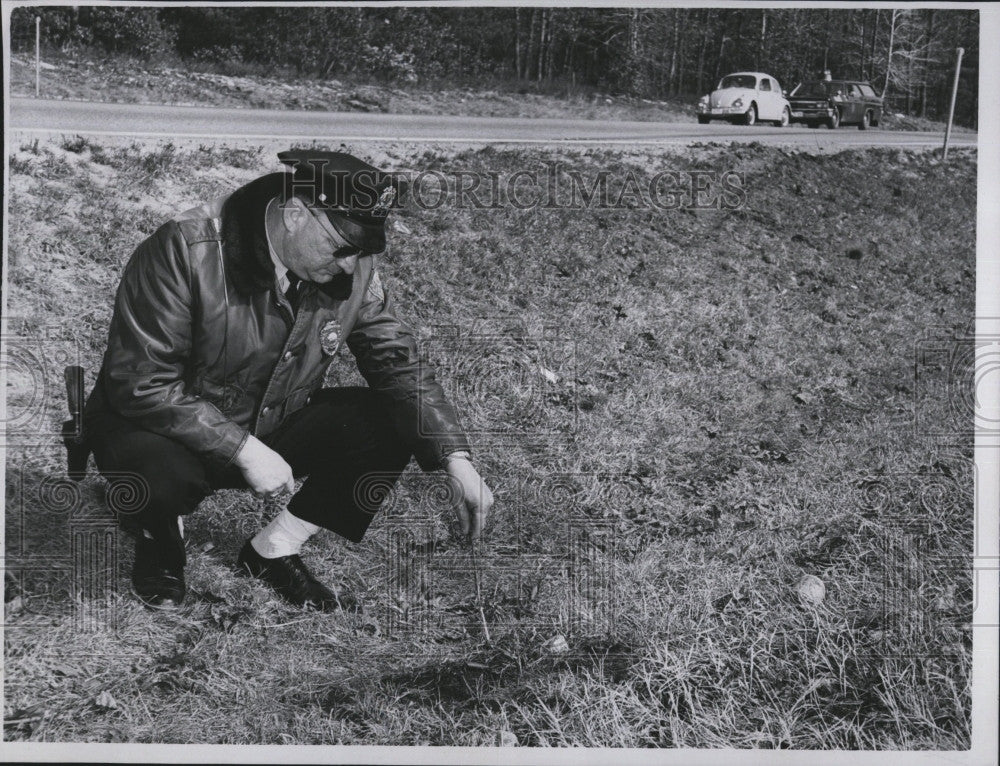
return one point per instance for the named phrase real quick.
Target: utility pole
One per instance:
(38, 55)
(951, 108)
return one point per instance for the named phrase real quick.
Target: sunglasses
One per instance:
(344, 251)
(347, 251)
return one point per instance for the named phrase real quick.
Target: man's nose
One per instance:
(349, 264)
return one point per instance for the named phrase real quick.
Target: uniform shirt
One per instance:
(280, 269)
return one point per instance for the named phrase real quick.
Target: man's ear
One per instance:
(294, 214)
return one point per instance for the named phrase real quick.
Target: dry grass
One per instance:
(739, 406)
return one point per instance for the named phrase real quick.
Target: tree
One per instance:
(896, 14)
(650, 52)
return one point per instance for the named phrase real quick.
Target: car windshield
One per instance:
(815, 89)
(738, 81)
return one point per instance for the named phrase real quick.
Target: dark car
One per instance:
(835, 102)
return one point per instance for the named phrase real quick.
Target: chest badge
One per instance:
(329, 337)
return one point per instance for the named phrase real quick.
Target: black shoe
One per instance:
(158, 576)
(289, 576)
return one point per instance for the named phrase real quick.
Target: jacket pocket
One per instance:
(229, 397)
(295, 401)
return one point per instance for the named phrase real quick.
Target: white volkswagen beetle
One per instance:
(746, 97)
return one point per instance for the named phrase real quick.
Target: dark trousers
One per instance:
(342, 435)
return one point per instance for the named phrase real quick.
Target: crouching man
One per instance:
(225, 322)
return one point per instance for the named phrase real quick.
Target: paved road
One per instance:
(47, 116)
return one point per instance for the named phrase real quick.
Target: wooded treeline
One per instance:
(649, 52)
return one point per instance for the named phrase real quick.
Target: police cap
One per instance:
(355, 196)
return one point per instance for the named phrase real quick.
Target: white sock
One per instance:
(283, 536)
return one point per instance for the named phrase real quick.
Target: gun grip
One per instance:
(74, 389)
(77, 450)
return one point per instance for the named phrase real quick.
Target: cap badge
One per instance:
(385, 200)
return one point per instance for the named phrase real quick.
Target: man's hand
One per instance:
(265, 470)
(476, 499)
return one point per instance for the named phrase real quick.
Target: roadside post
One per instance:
(38, 55)
(951, 108)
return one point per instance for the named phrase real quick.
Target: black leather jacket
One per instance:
(203, 348)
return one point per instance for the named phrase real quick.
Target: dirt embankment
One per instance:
(132, 82)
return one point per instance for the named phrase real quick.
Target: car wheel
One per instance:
(750, 117)
(786, 118)
(833, 121)
(704, 120)
(866, 120)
